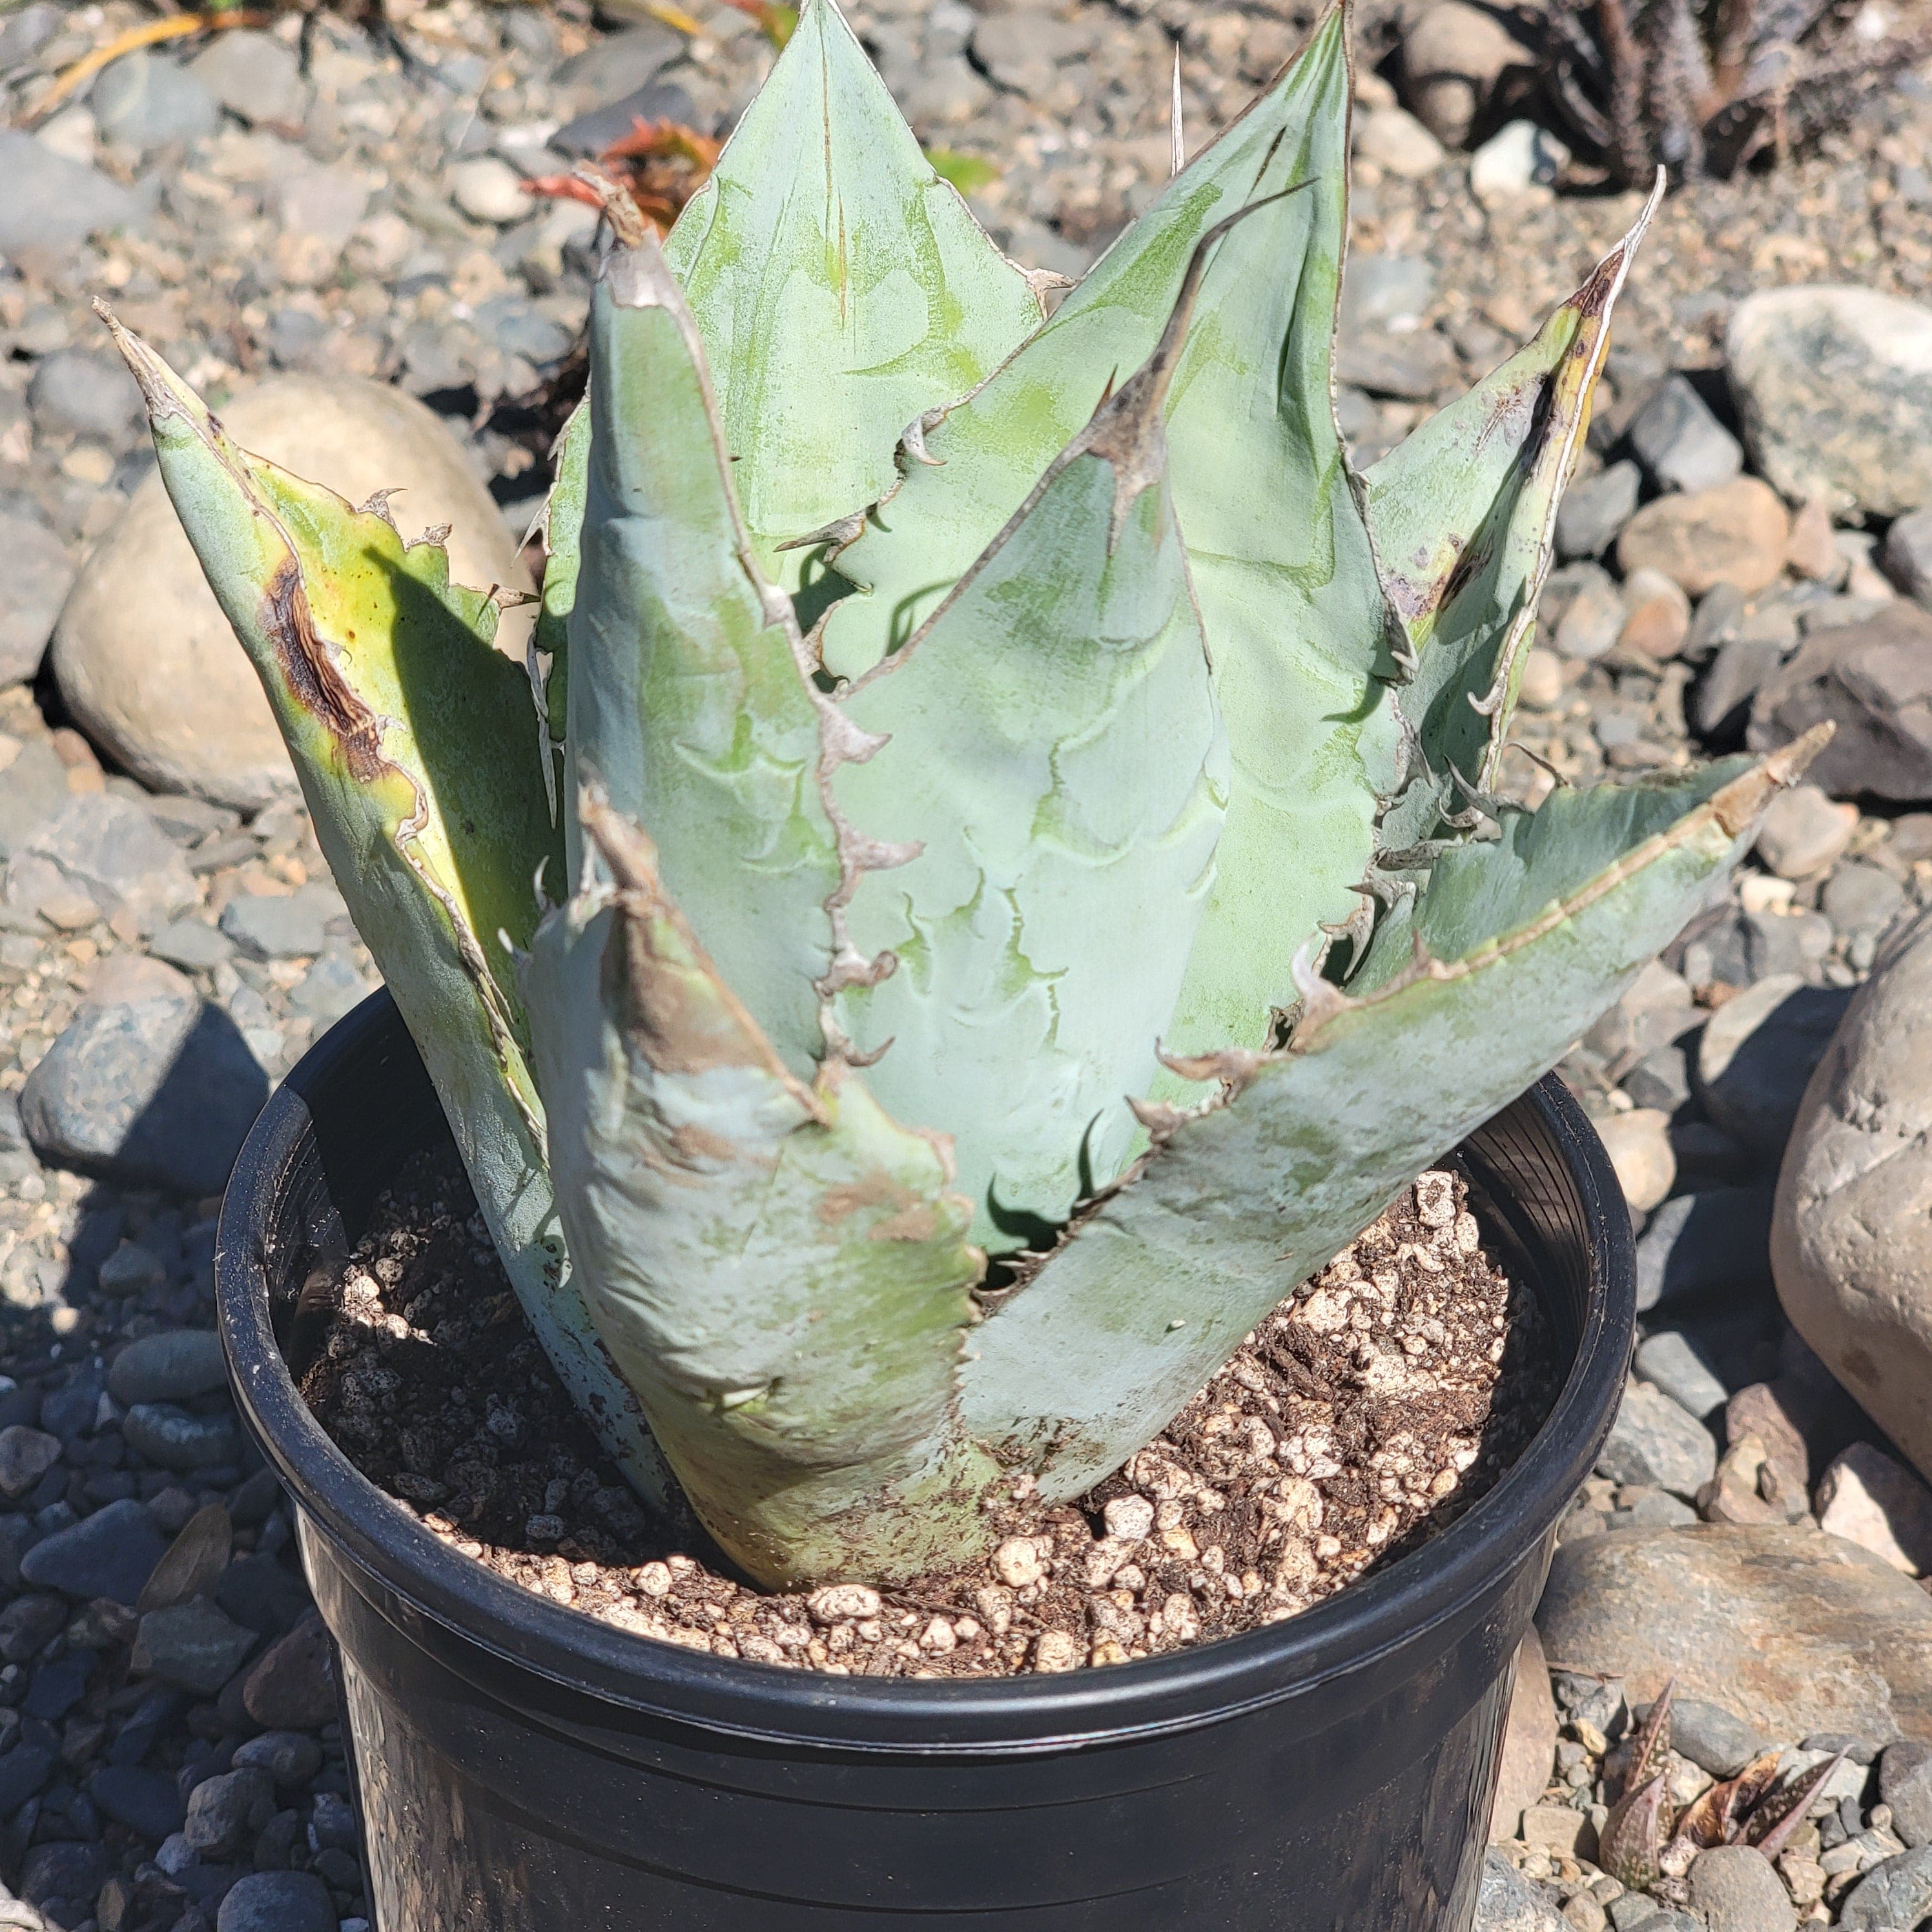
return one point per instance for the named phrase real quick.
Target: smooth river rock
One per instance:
(1835, 386)
(144, 658)
(1795, 1631)
(1851, 1241)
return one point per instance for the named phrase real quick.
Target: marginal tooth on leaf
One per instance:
(840, 534)
(1741, 801)
(377, 505)
(912, 439)
(1044, 281)
(1159, 1118)
(1322, 999)
(1233, 1066)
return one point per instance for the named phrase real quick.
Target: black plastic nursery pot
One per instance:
(524, 1767)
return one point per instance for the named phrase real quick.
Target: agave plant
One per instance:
(1033, 886)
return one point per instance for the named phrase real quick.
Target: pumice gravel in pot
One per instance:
(1033, 884)
(522, 1765)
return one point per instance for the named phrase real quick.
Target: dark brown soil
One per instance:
(1356, 1421)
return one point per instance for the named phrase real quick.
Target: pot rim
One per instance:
(1346, 1633)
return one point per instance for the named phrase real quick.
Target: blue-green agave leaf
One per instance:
(842, 289)
(1522, 941)
(1464, 515)
(414, 741)
(690, 702)
(1047, 754)
(781, 1270)
(1296, 627)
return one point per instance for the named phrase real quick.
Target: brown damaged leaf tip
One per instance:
(626, 219)
(1741, 801)
(156, 392)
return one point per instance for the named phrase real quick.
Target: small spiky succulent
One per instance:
(1033, 885)
(1700, 87)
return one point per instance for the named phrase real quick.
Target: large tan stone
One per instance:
(1851, 1241)
(144, 658)
(1791, 1630)
(1454, 58)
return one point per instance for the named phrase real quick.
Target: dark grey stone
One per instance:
(1682, 1368)
(145, 1726)
(191, 944)
(51, 200)
(1713, 1738)
(591, 134)
(111, 1553)
(1661, 1079)
(85, 392)
(1721, 708)
(55, 1688)
(1699, 1246)
(1895, 1896)
(288, 1757)
(1377, 289)
(191, 1644)
(1680, 442)
(1873, 680)
(619, 64)
(66, 1869)
(26, 32)
(70, 1410)
(39, 576)
(28, 1625)
(1653, 1441)
(1715, 621)
(331, 988)
(1906, 556)
(1752, 1088)
(187, 820)
(172, 1439)
(146, 1801)
(1905, 1784)
(1644, 1507)
(106, 846)
(225, 1812)
(1410, 368)
(1594, 510)
(256, 1591)
(144, 100)
(518, 328)
(292, 927)
(332, 1823)
(1860, 900)
(156, 1091)
(24, 1771)
(174, 1366)
(277, 1902)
